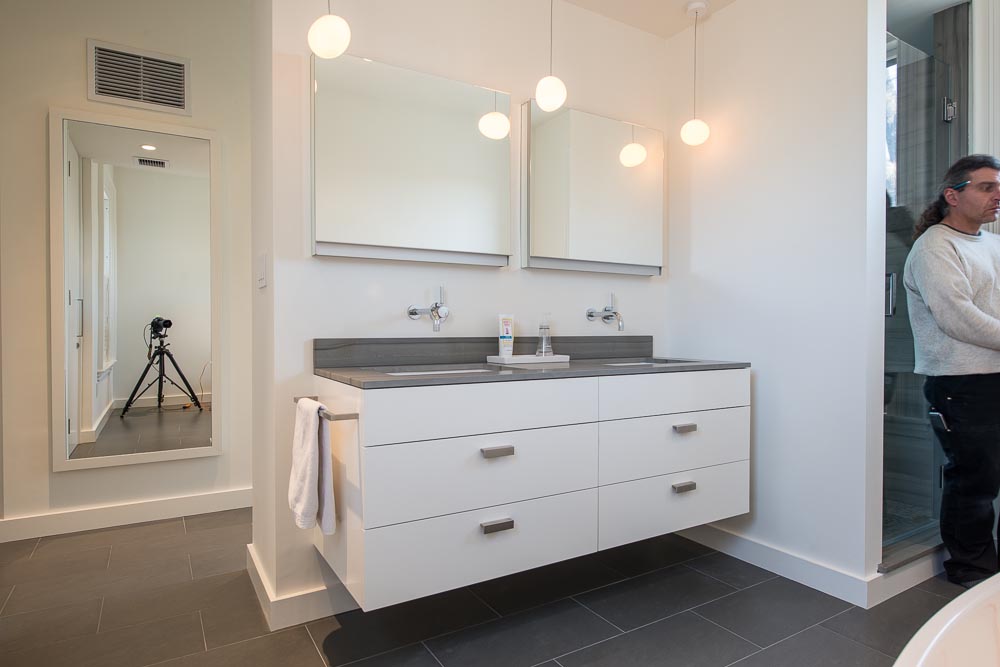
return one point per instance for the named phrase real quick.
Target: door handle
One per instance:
(890, 288)
(80, 334)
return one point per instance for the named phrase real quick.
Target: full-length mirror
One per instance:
(409, 165)
(593, 193)
(135, 297)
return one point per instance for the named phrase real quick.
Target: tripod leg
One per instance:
(159, 384)
(135, 390)
(190, 391)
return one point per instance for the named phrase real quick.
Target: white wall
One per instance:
(215, 36)
(609, 68)
(164, 270)
(776, 254)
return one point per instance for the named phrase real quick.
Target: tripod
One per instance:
(157, 357)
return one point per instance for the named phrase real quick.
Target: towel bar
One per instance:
(327, 415)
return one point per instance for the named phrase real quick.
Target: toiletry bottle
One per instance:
(544, 338)
(506, 335)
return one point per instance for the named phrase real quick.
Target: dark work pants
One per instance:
(970, 405)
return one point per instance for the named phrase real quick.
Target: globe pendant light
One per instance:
(329, 35)
(550, 93)
(633, 154)
(494, 125)
(695, 132)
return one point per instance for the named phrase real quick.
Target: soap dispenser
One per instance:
(544, 338)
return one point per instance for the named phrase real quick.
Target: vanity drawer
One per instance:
(624, 396)
(633, 511)
(416, 480)
(418, 558)
(647, 446)
(408, 414)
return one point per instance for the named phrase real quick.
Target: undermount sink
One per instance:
(654, 362)
(452, 372)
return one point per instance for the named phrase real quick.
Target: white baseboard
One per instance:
(860, 591)
(91, 435)
(91, 518)
(168, 399)
(301, 606)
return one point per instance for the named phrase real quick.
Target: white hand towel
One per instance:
(310, 486)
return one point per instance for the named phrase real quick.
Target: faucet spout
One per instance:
(614, 316)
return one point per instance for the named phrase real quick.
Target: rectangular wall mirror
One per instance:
(401, 169)
(132, 316)
(582, 207)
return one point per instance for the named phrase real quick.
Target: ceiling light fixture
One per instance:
(148, 147)
(329, 35)
(695, 132)
(550, 93)
(494, 125)
(633, 154)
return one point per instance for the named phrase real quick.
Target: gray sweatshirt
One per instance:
(952, 285)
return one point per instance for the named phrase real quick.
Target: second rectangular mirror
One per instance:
(593, 193)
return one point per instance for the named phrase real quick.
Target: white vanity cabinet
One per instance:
(439, 487)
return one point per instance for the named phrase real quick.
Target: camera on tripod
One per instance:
(158, 327)
(158, 356)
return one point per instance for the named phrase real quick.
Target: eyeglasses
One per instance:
(958, 187)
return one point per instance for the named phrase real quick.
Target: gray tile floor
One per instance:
(150, 430)
(176, 592)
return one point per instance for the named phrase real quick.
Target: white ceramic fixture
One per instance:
(632, 154)
(695, 132)
(550, 93)
(329, 35)
(494, 125)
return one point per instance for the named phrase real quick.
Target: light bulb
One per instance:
(695, 132)
(494, 125)
(329, 36)
(550, 93)
(148, 147)
(632, 155)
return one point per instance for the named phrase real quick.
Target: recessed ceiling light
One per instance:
(148, 147)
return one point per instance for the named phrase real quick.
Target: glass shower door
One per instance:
(916, 156)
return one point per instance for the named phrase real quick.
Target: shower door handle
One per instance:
(80, 321)
(890, 291)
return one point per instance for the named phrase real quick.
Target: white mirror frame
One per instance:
(57, 326)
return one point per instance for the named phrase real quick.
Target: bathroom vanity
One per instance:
(459, 471)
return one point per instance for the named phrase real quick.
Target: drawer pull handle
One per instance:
(684, 487)
(497, 452)
(496, 526)
(685, 428)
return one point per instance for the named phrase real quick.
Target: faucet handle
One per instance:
(442, 311)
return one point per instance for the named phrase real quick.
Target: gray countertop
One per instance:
(428, 375)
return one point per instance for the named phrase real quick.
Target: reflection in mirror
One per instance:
(137, 260)
(595, 193)
(401, 160)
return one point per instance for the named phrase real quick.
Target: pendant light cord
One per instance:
(328, 9)
(694, 72)
(551, 2)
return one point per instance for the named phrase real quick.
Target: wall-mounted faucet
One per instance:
(609, 314)
(438, 312)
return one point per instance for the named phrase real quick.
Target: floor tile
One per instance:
(129, 647)
(732, 571)
(118, 580)
(773, 610)
(237, 517)
(650, 597)
(939, 585)
(5, 593)
(817, 647)
(415, 655)
(218, 560)
(355, 634)
(224, 601)
(48, 566)
(24, 631)
(522, 639)
(524, 590)
(288, 648)
(684, 639)
(888, 626)
(108, 536)
(181, 545)
(652, 554)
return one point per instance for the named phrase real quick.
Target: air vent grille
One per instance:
(130, 77)
(150, 162)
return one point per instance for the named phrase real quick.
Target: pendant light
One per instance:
(695, 132)
(550, 93)
(494, 125)
(633, 154)
(329, 35)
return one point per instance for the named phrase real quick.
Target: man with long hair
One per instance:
(952, 279)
